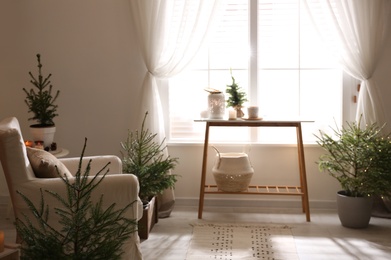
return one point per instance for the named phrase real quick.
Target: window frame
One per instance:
(349, 87)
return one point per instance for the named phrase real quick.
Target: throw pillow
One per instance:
(43, 164)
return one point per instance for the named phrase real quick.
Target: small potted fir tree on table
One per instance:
(236, 97)
(146, 159)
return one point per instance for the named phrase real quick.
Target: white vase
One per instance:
(45, 134)
(216, 105)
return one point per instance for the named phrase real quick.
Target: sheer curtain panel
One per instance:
(360, 29)
(170, 32)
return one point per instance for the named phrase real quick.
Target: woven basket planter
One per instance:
(232, 171)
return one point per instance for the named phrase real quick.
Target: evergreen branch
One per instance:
(87, 230)
(41, 103)
(236, 96)
(357, 158)
(144, 157)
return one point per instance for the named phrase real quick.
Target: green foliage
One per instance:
(360, 159)
(88, 231)
(237, 97)
(40, 100)
(143, 157)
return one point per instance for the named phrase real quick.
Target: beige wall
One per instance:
(90, 48)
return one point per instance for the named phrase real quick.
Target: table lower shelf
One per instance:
(259, 190)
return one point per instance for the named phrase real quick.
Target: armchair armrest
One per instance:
(121, 189)
(97, 163)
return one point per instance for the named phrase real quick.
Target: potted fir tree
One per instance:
(86, 231)
(236, 97)
(146, 159)
(360, 159)
(41, 102)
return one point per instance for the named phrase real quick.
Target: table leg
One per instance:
(303, 175)
(203, 174)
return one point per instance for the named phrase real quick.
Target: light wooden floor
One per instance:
(322, 238)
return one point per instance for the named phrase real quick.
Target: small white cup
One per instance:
(253, 111)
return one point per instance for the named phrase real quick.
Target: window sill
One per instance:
(198, 143)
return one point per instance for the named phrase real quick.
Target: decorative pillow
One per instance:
(43, 164)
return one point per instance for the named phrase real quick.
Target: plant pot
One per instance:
(387, 203)
(43, 133)
(239, 111)
(354, 212)
(150, 217)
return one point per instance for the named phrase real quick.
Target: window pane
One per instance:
(278, 93)
(187, 99)
(278, 37)
(321, 99)
(314, 53)
(227, 49)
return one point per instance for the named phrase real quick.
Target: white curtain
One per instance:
(360, 28)
(170, 33)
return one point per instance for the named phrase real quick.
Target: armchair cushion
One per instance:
(44, 164)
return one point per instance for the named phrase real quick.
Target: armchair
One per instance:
(119, 188)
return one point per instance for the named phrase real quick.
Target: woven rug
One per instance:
(241, 241)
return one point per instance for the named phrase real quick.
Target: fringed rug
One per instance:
(241, 241)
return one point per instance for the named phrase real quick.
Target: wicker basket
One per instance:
(232, 171)
(232, 182)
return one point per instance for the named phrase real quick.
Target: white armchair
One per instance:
(119, 188)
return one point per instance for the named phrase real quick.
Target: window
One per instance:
(277, 57)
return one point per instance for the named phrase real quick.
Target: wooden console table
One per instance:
(301, 190)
